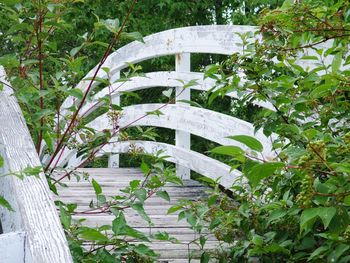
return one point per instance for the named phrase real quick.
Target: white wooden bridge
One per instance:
(33, 233)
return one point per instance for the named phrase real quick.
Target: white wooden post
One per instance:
(183, 139)
(113, 159)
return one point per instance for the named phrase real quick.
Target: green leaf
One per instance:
(144, 250)
(97, 187)
(205, 257)
(32, 171)
(192, 103)
(141, 211)
(1, 161)
(337, 60)
(134, 184)
(9, 61)
(129, 231)
(77, 93)
(92, 235)
(202, 241)
(133, 36)
(249, 141)
(111, 24)
(276, 214)
(309, 216)
(65, 217)
(141, 194)
(261, 171)
(75, 50)
(145, 168)
(337, 252)
(5, 203)
(347, 200)
(326, 214)
(318, 252)
(164, 195)
(174, 208)
(48, 140)
(229, 150)
(320, 91)
(341, 221)
(155, 112)
(341, 167)
(118, 223)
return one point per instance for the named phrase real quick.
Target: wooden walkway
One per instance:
(114, 179)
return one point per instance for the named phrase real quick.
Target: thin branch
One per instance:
(67, 132)
(40, 46)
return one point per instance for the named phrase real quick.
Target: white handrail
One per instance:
(162, 79)
(35, 212)
(213, 39)
(205, 123)
(217, 39)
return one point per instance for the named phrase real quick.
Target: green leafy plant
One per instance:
(294, 205)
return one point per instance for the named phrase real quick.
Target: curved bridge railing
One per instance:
(184, 119)
(181, 117)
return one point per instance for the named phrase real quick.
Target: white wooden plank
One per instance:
(114, 179)
(214, 39)
(183, 138)
(163, 79)
(195, 161)
(35, 212)
(205, 123)
(12, 248)
(113, 159)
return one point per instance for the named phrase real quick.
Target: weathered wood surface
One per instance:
(205, 123)
(197, 162)
(194, 161)
(35, 213)
(162, 79)
(114, 179)
(213, 39)
(182, 137)
(12, 247)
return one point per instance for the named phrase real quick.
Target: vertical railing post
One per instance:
(183, 139)
(113, 159)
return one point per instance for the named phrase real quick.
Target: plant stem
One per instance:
(67, 132)
(40, 46)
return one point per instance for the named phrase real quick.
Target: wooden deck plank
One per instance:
(114, 179)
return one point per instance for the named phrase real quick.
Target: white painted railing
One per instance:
(184, 119)
(181, 117)
(39, 237)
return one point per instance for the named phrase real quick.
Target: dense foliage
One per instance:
(294, 207)
(289, 207)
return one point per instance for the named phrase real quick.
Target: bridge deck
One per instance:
(112, 180)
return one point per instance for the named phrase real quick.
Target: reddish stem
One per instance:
(40, 46)
(67, 132)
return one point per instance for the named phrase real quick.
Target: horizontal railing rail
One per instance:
(181, 117)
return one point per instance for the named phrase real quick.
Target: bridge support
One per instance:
(113, 159)
(183, 139)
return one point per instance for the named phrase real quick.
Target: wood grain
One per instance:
(35, 213)
(82, 193)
